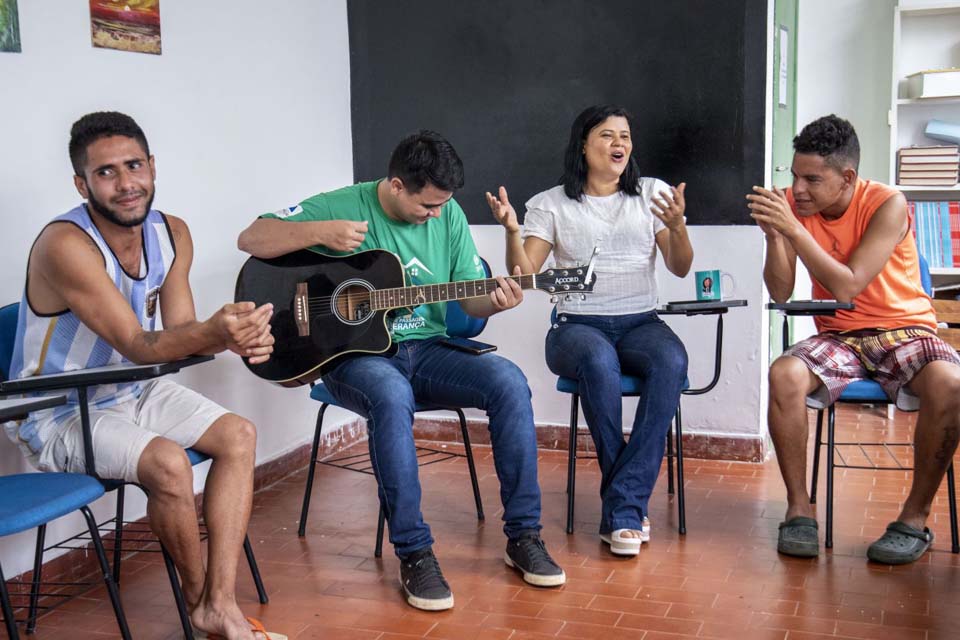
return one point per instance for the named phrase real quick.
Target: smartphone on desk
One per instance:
(470, 346)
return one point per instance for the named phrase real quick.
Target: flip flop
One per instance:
(620, 545)
(798, 537)
(900, 544)
(255, 625)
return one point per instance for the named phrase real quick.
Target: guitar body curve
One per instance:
(333, 320)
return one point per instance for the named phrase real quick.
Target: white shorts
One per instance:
(123, 431)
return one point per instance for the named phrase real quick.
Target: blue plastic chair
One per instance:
(31, 500)
(459, 324)
(863, 392)
(8, 329)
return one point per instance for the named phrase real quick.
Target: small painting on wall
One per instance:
(9, 26)
(127, 25)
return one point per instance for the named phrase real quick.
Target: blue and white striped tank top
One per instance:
(60, 342)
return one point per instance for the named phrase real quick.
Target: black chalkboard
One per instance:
(504, 79)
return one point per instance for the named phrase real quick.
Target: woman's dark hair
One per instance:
(424, 157)
(575, 163)
(101, 124)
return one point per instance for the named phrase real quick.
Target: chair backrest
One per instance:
(459, 323)
(8, 334)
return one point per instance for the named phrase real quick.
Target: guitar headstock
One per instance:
(564, 280)
(561, 280)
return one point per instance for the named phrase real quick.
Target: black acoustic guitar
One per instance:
(325, 308)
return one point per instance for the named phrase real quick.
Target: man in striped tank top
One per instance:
(854, 237)
(97, 277)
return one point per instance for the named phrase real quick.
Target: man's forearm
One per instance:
(269, 238)
(149, 347)
(778, 270)
(835, 276)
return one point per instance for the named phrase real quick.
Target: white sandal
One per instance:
(620, 545)
(645, 530)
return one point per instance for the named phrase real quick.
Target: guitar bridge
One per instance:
(301, 310)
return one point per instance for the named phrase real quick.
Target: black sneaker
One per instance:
(529, 554)
(423, 582)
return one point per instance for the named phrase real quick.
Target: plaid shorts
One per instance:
(891, 358)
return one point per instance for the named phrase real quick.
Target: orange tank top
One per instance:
(892, 300)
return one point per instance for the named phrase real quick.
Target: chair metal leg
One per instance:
(378, 549)
(311, 469)
(255, 570)
(952, 501)
(35, 584)
(177, 594)
(831, 414)
(572, 460)
(670, 488)
(470, 465)
(681, 504)
(817, 442)
(8, 620)
(118, 536)
(107, 577)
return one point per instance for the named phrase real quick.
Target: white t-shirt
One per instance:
(624, 229)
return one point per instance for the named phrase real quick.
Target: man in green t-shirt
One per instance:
(412, 214)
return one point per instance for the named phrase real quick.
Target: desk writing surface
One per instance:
(111, 374)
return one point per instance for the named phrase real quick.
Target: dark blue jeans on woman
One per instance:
(595, 350)
(382, 390)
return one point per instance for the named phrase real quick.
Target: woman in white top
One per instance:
(603, 201)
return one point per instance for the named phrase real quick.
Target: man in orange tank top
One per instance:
(854, 238)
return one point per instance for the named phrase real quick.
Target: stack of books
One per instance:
(935, 166)
(937, 226)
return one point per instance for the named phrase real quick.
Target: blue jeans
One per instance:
(595, 350)
(382, 390)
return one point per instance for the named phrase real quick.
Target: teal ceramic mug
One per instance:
(714, 285)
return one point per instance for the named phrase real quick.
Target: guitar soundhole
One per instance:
(351, 302)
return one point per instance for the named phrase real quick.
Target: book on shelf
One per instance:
(930, 150)
(928, 182)
(921, 162)
(935, 83)
(937, 229)
(947, 175)
(929, 166)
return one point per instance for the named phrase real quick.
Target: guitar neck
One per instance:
(383, 299)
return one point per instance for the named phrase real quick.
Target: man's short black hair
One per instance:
(424, 157)
(101, 124)
(832, 138)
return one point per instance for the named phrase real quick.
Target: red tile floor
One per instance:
(724, 579)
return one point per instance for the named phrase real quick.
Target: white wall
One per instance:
(244, 115)
(844, 66)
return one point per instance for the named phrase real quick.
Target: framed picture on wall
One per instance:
(9, 26)
(127, 25)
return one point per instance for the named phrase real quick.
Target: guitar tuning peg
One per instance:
(583, 296)
(567, 298)
(554, 299)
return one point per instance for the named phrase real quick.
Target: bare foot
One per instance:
(630, 533)
(224, 619)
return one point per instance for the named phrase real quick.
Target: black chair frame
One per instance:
(361, 463)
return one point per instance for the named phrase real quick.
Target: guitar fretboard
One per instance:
(382, 299)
